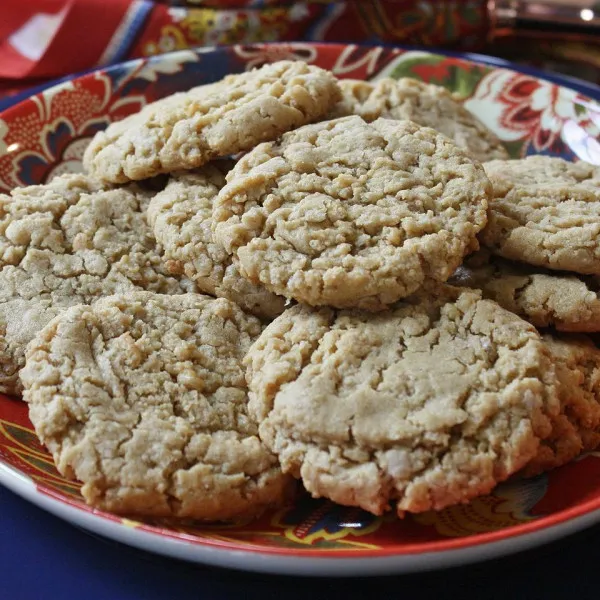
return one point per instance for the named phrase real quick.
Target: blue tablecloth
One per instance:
(44, 558)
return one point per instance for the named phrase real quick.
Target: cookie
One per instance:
(181, 217)
(545, 212)
(187, 129)
(350, 214)
(142, 398)
(426, 405)
(577, 428)
(425, 104)
(65, 243)
(542, 297)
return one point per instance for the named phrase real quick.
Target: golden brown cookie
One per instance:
(426, 405)
(423, 103)
(68, 242)
(542, 297)
(345, 213)
(545, 212)
(577, 428)
(181, 217)
(142, 398)
(187, 129)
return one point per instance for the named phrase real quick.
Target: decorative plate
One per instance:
(46, 134)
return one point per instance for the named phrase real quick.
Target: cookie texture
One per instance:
(425, 104)
(542, 297)
(576, 428)
(350, 214)
(426, 405)
(142, 398)
(545, 212)
(187, 129)
(65, 243)
(181, 217)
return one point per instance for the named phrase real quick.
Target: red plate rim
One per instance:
(537, 524)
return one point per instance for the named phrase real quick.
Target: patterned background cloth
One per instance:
(41, 40)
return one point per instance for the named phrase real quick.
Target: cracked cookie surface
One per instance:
(142, 398)
(426, 405)
(68, 242)
(187, 129)
(425, 104)
(181, 217)
(576, 428)
(546, 212)
(350, 214)
(544, 298)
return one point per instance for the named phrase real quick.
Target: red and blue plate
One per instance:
(46, 134)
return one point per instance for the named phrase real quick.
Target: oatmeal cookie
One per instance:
(542, 297)
(426, 405)
(68, 242)
(142, 398)
(187, 129)
(577, 428)
(350, 214)
(423, 103)
(546, 212)
(181, 217)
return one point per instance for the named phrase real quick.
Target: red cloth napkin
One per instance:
(50, 38)
(46, 39)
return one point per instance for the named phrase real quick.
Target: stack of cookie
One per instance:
(541, 260)
(193, 333)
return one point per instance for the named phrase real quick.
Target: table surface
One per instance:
(42, 557)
